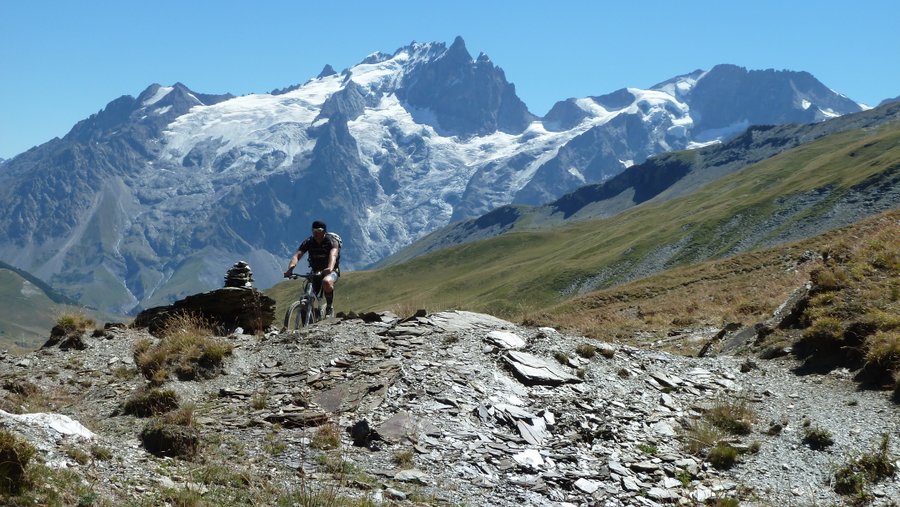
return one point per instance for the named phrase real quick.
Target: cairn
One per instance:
(239, 276)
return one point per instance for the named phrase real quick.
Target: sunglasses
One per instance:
(319, 229)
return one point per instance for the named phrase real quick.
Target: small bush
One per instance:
(274, 444)
(170, 440)
(883, 350)
(78, 455)
(775, 429)
(647, 448)
(101, 453)
(186, 348)
(184, 416)
(151, 402)
(817, 438)
(700, 436)
(259, 400)
(561, 357)
(825, 328)
(74, 322)
(586, 350)
(15, 454)
(829, 278)
(733, 416)
(722, 456)
(327, 436)
(403, 459)
(854, 478)
(26, 397)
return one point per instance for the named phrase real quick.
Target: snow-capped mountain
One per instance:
(155, 197)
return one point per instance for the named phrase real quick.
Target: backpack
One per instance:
(336, 239)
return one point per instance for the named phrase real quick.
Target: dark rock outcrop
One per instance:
(228, 308)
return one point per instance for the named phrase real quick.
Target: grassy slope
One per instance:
(742, 289)
(515, 274)
(29, 310)
(28, 314)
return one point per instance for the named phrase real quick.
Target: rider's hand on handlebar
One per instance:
(289, 273)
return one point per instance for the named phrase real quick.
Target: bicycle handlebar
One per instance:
(308, 276)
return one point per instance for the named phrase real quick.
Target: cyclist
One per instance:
(325, 256)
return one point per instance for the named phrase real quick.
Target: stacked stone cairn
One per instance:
(239, 276)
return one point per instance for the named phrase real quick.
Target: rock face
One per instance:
(146, 200)
(425, 406)
(229, 308)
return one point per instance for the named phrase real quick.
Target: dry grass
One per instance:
(854, 478)
(403, 459)
(186, 349)
(24, 397)
(150, 402)
(70, 322)
(15, 455)
(327, 436)
(586, 350)
(853, 316)
(733, 416)
(817, 438)
(742, 289)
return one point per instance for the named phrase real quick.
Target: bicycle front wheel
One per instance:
(293, 316)
(312, 312)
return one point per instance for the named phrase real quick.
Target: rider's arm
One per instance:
(332, 260)
(293, 262)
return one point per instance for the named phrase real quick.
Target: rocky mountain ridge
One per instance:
(150, 198)
(461, 408)
(668, 176)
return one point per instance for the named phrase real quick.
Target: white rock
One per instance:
(663, 428)
(62, 424)
(587, 485)
(669, 483)
(505, 340)
(701, 494)
(630, 484)
(412, 475)
(529, 457)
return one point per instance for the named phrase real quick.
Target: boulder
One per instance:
(228, 308)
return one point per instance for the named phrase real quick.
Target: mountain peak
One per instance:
(458, 49)
(328, 70)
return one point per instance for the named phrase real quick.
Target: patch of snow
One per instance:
(161, 92)
(805, 104)
(62, 424)
(721, 133)
(626, 163)
(575, 172)
(163, 110)
(693, 145)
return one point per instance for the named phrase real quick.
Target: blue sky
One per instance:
(62, 61)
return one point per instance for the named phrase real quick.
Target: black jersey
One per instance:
(318, 252)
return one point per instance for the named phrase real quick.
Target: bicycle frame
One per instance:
(308, 309)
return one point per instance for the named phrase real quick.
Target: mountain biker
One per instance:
(324, 256)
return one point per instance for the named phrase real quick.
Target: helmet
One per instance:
(318, 224)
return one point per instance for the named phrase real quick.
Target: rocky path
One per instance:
(464, 408)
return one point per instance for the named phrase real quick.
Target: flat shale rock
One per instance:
(532, 370)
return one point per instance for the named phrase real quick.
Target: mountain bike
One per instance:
(307, 310)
